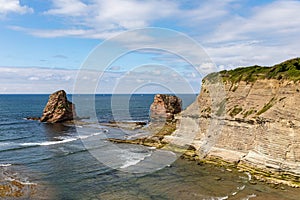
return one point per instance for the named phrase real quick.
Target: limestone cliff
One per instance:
(248, 116)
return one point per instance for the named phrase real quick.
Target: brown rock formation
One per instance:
(163, 122)
(164, 107)
(58, 108)
(254, 122)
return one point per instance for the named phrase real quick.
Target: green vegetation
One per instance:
(288, 70)
(208, 109)
(249, 112)
(267, 106)
(212, 78)
(221, 106)
(236, 110)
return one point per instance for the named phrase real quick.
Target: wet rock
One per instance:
(33, 118)
(58, 108)
(165, 107)
(128, 125)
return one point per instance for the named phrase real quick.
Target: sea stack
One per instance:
(164, 107)
(58, 108)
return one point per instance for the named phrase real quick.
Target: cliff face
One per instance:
(253, 121)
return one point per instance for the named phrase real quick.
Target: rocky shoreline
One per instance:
(270, 177)
(246, 119)
(12, 186)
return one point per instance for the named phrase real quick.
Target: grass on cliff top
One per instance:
(288, 70)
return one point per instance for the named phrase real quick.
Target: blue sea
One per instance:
(70, 162)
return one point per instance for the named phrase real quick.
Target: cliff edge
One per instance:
(247, 116)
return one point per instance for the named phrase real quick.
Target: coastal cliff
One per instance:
(247, 116)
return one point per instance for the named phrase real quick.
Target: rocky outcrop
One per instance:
(164, 107)
(163, 122)
(248, 116)
(58, 108)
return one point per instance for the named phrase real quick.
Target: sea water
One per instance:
(54, 161)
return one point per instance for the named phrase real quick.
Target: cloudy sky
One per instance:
(45, 43)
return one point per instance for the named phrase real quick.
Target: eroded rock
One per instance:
(58, 108)
(164, 107)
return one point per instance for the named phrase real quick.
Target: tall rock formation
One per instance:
(164, 107)
(58, 108)
(249, 116)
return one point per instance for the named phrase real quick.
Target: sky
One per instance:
(44, 44)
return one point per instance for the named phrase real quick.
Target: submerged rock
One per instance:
(58, 108)
(165, 107)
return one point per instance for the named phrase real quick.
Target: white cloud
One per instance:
(68, 8)
(47, 80)
(54, 33)
(279, 18)
(265, 35)
(103, 19)
(131, 14)
(13, 6)
(35, 80)
(102, 16)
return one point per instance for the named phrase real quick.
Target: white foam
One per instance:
(129, 163)
(5, 165)
(249, 196)
(241, 188)
(5, 143)
(249, 176)
(23, 183)
(87, 136)
(61, 139)
(133, 159)
(222, 198)
(47, 143)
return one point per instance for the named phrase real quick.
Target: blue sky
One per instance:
(44, 43)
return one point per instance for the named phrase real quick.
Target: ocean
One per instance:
(63, 161)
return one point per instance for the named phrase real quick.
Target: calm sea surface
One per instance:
(56, 161)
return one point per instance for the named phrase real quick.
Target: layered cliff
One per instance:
(249, 116)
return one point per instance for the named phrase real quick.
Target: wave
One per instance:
(134, 158)
(249, 196)
(87, 136)
(129, 163)
(11, 146)
(21, 182)
(5, 164)
(5, 144)
(47, 143)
